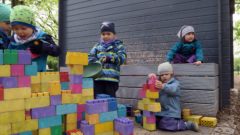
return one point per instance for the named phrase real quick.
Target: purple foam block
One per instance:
(9, 82)
(86, 128)
(56, 100)
(43, 112)
(124, 126)
(24, 57)
(76, 79)
(148, 114)
(96, 106)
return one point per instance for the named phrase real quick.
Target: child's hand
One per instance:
(159, 85)
(198, 63)
(106, 59)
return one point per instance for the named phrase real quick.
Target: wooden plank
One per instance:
(125, 101)
(125, 92)
(202, 109)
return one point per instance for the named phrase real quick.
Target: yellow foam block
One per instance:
(92, 118)
(36, 79)
(152, 95)
(5, 129)
(71, 118)
(186, 112)
(87, 92)
(36, 102)
(208, 121)
(107, 133)
(12, 105)
(86, 98)
(141, 105)
(44, 87)
(193, 118)
(154, 107)
(23, 126)
(71, 98)
(44, 131)
(77, 58)
(17, 93)
(103, 127)
(54, 88)
(116, 133)
(47, 77)
(147, 126)
(6, 69)
(11, 117)
(36, 87)
(71, 126)
(76, 69)
(147, 100)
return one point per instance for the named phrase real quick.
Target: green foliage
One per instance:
(236, 64)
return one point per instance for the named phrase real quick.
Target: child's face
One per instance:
(23, 32)
(189, 37)
(6, 27)
(107, 36)
(165, 77)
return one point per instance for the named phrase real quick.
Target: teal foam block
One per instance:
(87, 83)
(50, 121)
(66, 109)
(108, 116)
(31, 70)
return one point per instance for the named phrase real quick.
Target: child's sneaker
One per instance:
(192, 126)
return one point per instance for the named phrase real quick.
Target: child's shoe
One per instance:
(192, 126)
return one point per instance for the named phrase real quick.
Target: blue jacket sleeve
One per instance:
(50, 47)
(92, 56)
(120, 56)
(172, 89)
(172, 52)
(199, 51)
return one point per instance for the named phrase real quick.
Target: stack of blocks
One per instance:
(148, 105)
(100, 116)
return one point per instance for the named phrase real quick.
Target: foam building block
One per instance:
(36, 102)
(24, 57)
(47, 77)
(87, 83)
(56, 130)
(1, 92)
(71, 98)
(122, 110)
(208, 121)
(36, 87)
(56, 99)
(96, 106)
(92, 118)
(77, 58)
(16, 105)
(71, 126)
(154, 107)
(76, 69)
(148, 126)
(86, 128)
(24, 126)
(17, 70)
(24, 81)
(1, 57)
(44, 131)
(108, 116)
(76, 79)
(74, 132)
(65, 109)
(87, 92)
(76, 88)
(10, 57)
(112, 104)
(71, 118)
(6, 69)
(42, 112)
(103, 127)
(64, 77)
(26, 133)
(50, 121)
(45, 87)
(193, 118)
(80, 110)
(31, 70)
(36, 78)
(152, 95)
(5, 129)
(124, 126)
(65, 86)
(9, 82)
(17, 93)
(12, 117)
(54, 88)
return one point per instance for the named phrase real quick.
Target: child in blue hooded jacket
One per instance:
(5, 28)
(188, 49)
(169, 96)
(27, 36)
(111, 53)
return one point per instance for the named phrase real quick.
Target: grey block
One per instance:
(199, 96)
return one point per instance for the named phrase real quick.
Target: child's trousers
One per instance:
(105, 87)
(182, 59)
(170, 124)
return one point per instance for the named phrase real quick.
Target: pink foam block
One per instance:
(151, 119)
(17, 70)
(24, 81)
(76, 88)
(81, 108)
